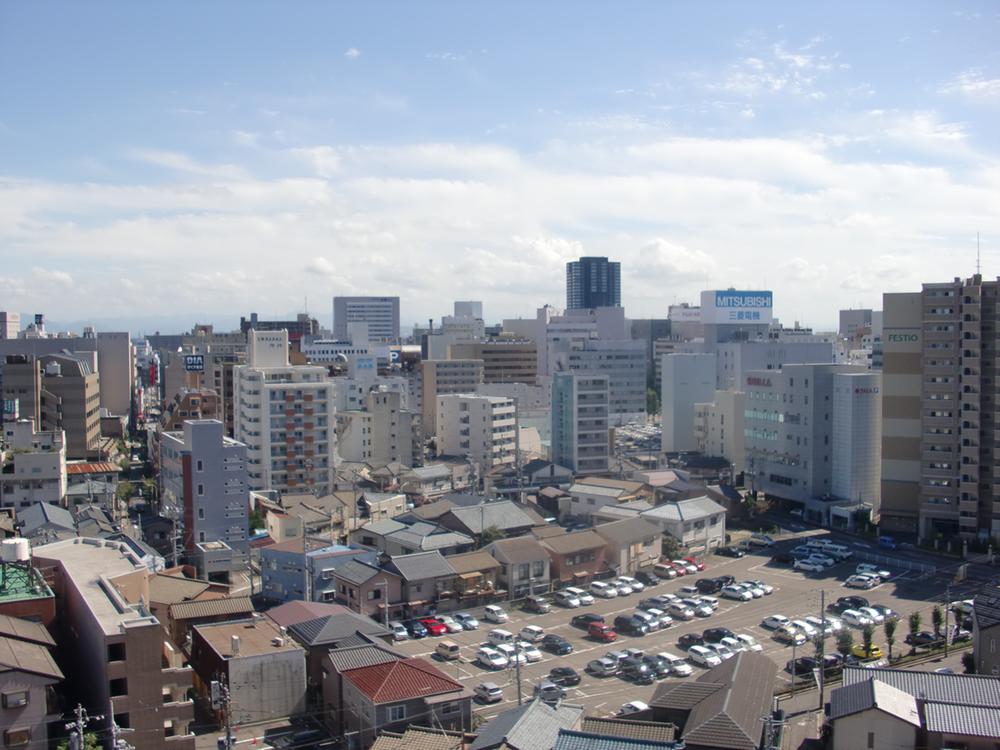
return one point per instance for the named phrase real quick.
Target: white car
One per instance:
(632, 707)
(449, 622)
(749, 642)
(734, 644)
(491, 658)
(862, 581)
(875, 570)
(651, 622)
(678, 666)
(700, 609)
(530, 651)
(493, 613)
(703, 657)
(603, 590)
(531, 633)
(835, 623)
(789, 634)
(681, 611)
(584, 596)
(662, 618)
(822, 626)
(823, 559)
(688, 591)
(691, 568)
(635, 584)
(773, 622)
(709, 601)
(467, 621)
(755, 591)
(623, 588)
(872, 614)
(855, 619)
(565, 599)
(737, 593)
(512, 653)
(398, 631)
(810, 565)
(767, 588)
(721, 650)
(807, 630)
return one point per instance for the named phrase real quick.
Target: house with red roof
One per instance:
(393, 695)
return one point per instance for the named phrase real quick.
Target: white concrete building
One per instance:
(10, 324)
(688, 379)
(482, 428)
(381, 314)
(718, 428)
(736, 358)
(442, 377)
(286, 416)
(384, 432)
(580, 422)
(34, 466)
(857, 436)
(624, 364)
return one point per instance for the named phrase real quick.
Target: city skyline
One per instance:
(265, 159)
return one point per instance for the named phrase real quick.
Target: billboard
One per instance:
(194, 362)
(736, 307)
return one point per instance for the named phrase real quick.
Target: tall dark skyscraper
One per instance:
(593, 282)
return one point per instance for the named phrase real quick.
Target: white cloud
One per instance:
(445, 56)
(177, 162)
(50, 279)
(974, 85)
(353, 53)
(800, 269)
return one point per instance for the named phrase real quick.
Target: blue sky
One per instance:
(203, 160)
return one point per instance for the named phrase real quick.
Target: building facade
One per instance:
(688, 379)
(718, 428)
(441, 377)
(379, 314)
(593, 282)
(507, 359)
(481, 428)
(34, 466)
(580, 422)
(624, 364)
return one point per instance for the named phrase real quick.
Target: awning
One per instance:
(581, 574)
(470, 576)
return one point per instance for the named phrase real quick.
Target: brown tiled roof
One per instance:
(433, 511)
(545, 532)
(682, 696)
(651, 731)
(95, 467)
(628, 530)
(401, 680)
(575, 542)
(419, 738)
(518, 550)
(618, 484)
(294, 612)
(25, 630)
(233, 605)
(28, 657)
(167, 589)
(472, 562)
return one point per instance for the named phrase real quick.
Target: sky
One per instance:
(168, 163)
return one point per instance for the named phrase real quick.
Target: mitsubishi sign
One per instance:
(735, 307)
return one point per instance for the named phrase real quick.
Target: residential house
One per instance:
(476, 576)
(633, 544)
(332, 667)
(592, 493)
(628, 728)
(508, 518)
(524, 566)
(302, 568)
(723, 708)
(295, 611)
(697, 523)
(364, 587)
(183, 616)
(532, 726)
(264, 669)
(396, 538)
(434, 480)
(173, 588)
(893, 708)
(986, 634)
(530, 476)
(569, 739)
(375, 505)
(576, 558)
(395, 695)
(28, 676)
(44, 522)
(428, 581)
(424, 738)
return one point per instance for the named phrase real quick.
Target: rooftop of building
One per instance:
(21, 582)
(22, 656)
(532, 726)
(258, 636)
(25, 630)
(405, 679)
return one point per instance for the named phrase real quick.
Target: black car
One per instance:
(688, 640)
(627, 625)
(803, 666)
(565, 676)
(725, 580)
(730, 552)
(783, 558)
(585, 620)
(647, 579)
(415, 628)
(708, 585)
(847, 602)
(923, 638)
(556, 644)
(659, 665)
(715, 635)
(637, 671)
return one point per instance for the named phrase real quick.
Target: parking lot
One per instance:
(796, 595)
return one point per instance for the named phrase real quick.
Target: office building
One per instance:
(685, 322)
(688, 379)
(480, 428)
(736, 359)
(380, 314)
(441, 377)
(580, 422)
(286, 417)
(648, 330)
(33, 466)
(298, 329)
(468, 309)
(593, 282)
(204, 484)
(852, 320)
(10, 324)
(735, 315)
(624, 364)
(940, 410)
(718, 428)
(856, 434)
(506, 359)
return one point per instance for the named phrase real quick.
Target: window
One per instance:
(122, 721)
(397, 713)
(201, 465)
(119, 687)
(16, 737)
(201, 536)
(15, 699)
(116, 652)
(871, 740)
(375, 594)
(538, 568)
(201, 514)
(449, 708)
(201, 489)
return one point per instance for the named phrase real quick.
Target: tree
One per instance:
(969, 662)
(914, 621)
(845, 642)
(125, 490)
(489, 535)
(652, 401)
(670, 548)
(150, 489)
(89, 742)
(256, 519)
(890, 634)
(937, 619)
(867, 637)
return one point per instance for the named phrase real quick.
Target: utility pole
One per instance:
(76, 728)
(517, 669)
(118, 743)
(228, 706)
(795, 667)
(822, 635)
(947, 606)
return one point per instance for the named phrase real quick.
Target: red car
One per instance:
(601, 632)
(681, 571)
(434, 626)
(696, 562)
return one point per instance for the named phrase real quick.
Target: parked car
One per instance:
(681, 611)
(767, 588)
(730, 552)
(623, 588)
(698, 564)
(632, 707)
(647, 579)
(789, 635)
(749, 642)
(513, 654)
(434, 626)
(466, 620)
(783, 558)
(531, 633)
(585, 597)
(923, 638)
(654, 602)
(537, 604)
(688, 640)
(549, 692)
(873, 653)
(887, 542)
(847, 602)
(824, 625)
(652, 623)
(873, 614)
(758, 539)
(887, 612)
(636, 586)
(629, 625)
(398, 631)
(708, 585)
(659, 666)
(874, 570)
(598, 631)
(416, 629)
(603, 667)
(699, 608)
(688, 566)
(808, 630)
(714, 635)
(721, 650)
(494, 613)
(564, 676)
(757, 592)
(488, 692)
(663, 620)
(665, 570)
(810, 565)
(681, 570)
(801, 667)
(855, 618)
(678, 666)
(566, 599)
(861, 582)
(451, 623)
(637, 671)
(773, 622)
(737, 593)
(585, 619)
(530, 651)
(603, 590)
(703, 657)
(556, 644)
(491, 658)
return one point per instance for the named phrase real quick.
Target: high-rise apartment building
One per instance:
(941, 459)
(624, 364)
(286, 416)
(580, 422)
(10, 324)
(380, 314)
(383, 432)
(203, 479)
(718, 428)
(481, 428)
(34, 466)
(593, 282)
(440, 377)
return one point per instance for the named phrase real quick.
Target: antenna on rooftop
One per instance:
(978, 257)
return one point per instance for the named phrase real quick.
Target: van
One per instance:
(838, 551)
(499, 637)
(448, 650)
(537, 604)
(603, 590)
(664, 571)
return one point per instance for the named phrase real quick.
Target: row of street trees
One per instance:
(845, 638)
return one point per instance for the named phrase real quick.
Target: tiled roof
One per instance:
(28, 657)
(986, 611)
(94, 467)
(593, 489)
(433, 511)
(533, 726)
(545, 532)
(167, 589)
(620, 484)
(421, 566)
(356, 572)
(682, 696)
(236, 605)
(335, 628)
(628, 530)
(575, 542)
(862, 696)
(652, 731)
(25, 630)
(970, 690)
(974, 721)
(383, 526)
(401, 680)
(570, 740)
(519, 550)
(420, 738)
(356, 657)
(39, 514)
(419, 536)
(472, 562)
(430, 472)
(289, 613)
(500, 514)
(690, 509)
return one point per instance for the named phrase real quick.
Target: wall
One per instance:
(890, 733)
(688, 379)
(267, 686)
